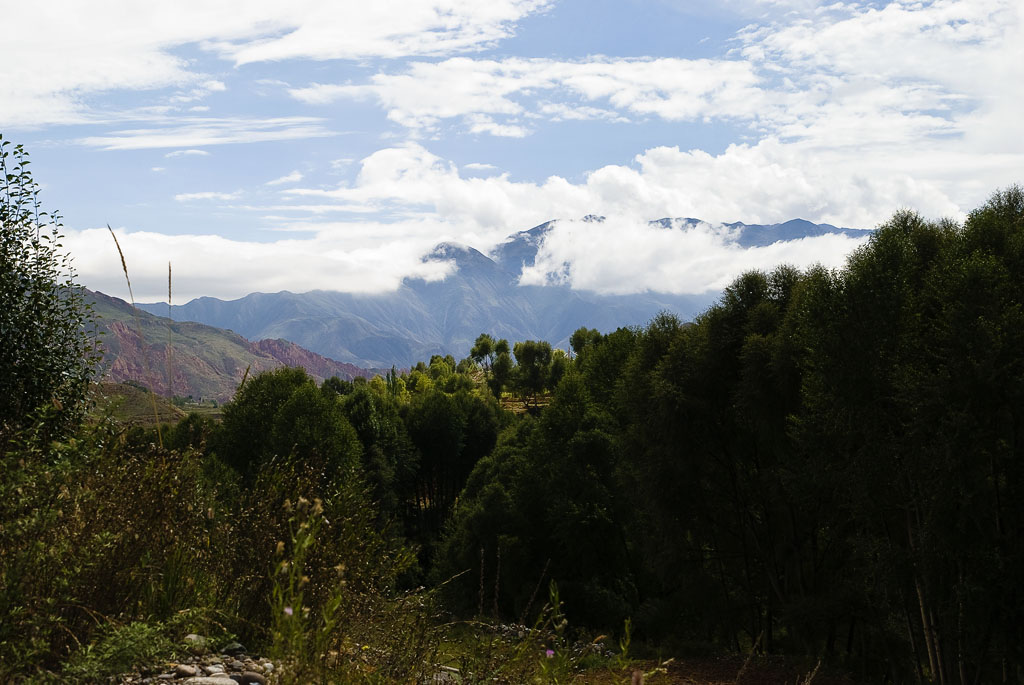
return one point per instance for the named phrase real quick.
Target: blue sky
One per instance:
(265, 146)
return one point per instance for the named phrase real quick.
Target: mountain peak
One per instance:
(464, 256)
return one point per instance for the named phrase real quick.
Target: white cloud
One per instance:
(293, 177)
(207, 195)
(194, 131)
(837, 75)
(622, 256)
(481, 123)
(213, 265)
(386, 28)
(479, 90)
(767, 182)
(187, 153)
(916, 69)
(54, 60)
(848, 112)
(412, 199)
(199, 91)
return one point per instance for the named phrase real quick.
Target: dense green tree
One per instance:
(501, 373)
(437, 428)
(310, 428)
(389, 460)
(244, 437)
(559, 366)
(281, 414)
(602, 362)
(49, 352)
(582, 338)
(542, 505)
(533, 366)
(338, 386)
(914, 383)
(482, 351)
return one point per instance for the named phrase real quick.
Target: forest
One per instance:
(826, 465)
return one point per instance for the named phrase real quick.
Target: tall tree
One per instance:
(533, 366)
(50, 351)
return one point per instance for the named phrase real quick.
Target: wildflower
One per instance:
(550, 653)
(288, 611)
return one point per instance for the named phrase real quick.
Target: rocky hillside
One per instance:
(201, 361)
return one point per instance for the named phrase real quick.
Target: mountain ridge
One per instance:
(422, 318)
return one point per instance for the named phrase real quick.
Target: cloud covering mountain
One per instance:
(520, 293)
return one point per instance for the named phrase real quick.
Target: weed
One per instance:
(119, 649)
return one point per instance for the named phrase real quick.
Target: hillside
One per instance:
(203, 361)
(130, 404)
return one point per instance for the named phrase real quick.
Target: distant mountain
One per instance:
(204, 361)
(420, 319)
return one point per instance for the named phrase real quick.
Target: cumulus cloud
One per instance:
(767, 182)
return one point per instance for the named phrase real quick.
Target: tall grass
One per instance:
(168, 353)
(138, 327)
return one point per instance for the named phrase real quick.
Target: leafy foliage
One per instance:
(49, 350)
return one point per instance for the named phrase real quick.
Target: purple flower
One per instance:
(550, 653)
(288, 611)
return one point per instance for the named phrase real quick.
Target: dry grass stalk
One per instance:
(168, 355)
(138, 328)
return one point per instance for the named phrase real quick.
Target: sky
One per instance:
(266, 146)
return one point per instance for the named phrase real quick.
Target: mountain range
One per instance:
(202, 361)
(483, 295)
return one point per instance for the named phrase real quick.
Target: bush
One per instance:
(76, 553)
